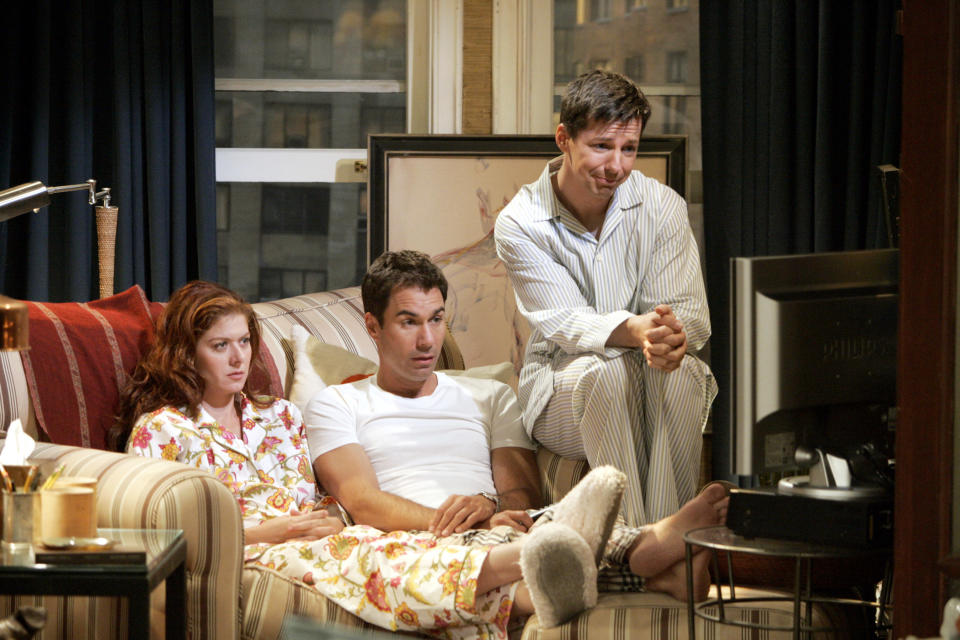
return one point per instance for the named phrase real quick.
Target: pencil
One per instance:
(31, 474)
(48, 483)
(6, 479)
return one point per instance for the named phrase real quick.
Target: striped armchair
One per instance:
(225, 599)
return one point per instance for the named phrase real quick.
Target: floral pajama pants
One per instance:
(402, 580)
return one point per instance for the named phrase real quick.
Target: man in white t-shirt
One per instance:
(412, 448)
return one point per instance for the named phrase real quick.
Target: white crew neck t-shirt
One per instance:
(422, 449)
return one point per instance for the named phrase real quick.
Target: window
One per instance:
(674, 115)
(677, 5)
(676, 66)
(295, 210)
(633, 67)
(564, 69)
(599, 10)
(296, 125)
(299, 86)
(294, 47)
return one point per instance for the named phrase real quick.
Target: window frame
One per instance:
(434, 90)
(522, 67)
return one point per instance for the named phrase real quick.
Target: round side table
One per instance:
(720, 539)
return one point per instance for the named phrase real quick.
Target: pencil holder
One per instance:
(21, 525)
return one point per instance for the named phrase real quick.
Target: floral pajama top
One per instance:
(402, 581)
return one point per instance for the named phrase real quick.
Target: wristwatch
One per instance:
(492, 497)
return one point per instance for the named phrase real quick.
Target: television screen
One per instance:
(813, 355)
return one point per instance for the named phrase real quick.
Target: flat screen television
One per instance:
(813, 356)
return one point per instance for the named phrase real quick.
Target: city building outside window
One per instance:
(299, 87)
(633, 67)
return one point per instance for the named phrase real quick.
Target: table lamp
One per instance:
(34, 195)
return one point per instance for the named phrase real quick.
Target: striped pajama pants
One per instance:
(646, 422)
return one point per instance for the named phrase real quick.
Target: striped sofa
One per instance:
(226, 600)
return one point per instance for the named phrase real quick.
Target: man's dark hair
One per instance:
(602, 96)
(401, 269)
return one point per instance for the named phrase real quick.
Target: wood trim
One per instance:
(523, 66)
(446, 66)
(477, 66)
(929, 190)
(418, 66)
(434, 66)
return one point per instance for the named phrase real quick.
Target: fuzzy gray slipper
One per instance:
(560, 573)
(591, 507)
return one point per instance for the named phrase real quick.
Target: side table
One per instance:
(721, 539)
(166, 552)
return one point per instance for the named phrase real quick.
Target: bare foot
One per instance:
(661, 545)
(673, 581)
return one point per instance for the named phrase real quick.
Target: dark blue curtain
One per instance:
(120, 91)
(800, 104)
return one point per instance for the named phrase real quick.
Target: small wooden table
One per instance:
(166, 552)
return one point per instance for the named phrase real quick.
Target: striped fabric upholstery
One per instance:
(558, 475)
(14, 396)
(655, 616)
(265, 592)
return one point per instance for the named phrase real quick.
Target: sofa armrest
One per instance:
(143, 493)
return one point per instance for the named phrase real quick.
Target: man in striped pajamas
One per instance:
(606, 271)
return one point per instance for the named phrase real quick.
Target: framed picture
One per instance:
(441, 194)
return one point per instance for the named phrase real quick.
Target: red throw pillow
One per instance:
(80, 354)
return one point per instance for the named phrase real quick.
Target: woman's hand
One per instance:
(312, 525)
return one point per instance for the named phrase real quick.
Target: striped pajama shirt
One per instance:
(581, 398)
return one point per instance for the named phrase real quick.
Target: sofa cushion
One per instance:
(80, 355)
(330, 364)
(336, 317)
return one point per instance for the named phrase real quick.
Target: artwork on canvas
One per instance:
(442, 195)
